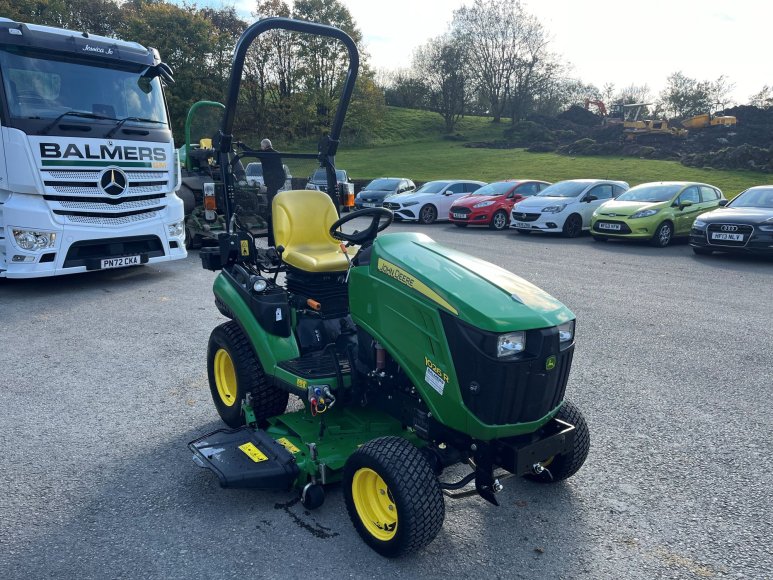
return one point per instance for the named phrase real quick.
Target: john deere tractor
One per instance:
(408, 357)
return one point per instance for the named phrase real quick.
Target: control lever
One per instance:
(279, 250)
(348, 260)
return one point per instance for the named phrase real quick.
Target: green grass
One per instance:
(410, 144)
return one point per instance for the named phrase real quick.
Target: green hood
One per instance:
(627, 208)
(480, 293)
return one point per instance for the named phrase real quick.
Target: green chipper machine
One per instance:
(408, 357)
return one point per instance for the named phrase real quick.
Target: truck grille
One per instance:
(102, 220)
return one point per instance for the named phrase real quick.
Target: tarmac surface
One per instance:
(104, 383)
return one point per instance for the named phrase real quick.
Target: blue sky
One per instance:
(605, 40)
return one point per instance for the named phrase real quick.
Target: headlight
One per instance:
(34, 240)
(554, 208)
(644, 213)
(699, 225)
(483, 204)
(511, 343)
(409, 203)
(766, 228)
(566, 331)
(175, 230)
(259, 283)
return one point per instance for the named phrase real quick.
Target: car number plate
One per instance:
(460, 216)
(603, 226)
(120, 262)
(727, 237)
(368, 204)
(522, 225)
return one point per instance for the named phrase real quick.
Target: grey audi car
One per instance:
(373, 194)
(745, 224)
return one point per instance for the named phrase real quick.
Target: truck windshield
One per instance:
(38, 85)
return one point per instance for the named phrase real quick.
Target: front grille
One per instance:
(86, 253)
(624, 229)
(526, 217)
(392, 206)
(516, 391)
(461, 210)
(745, 230)
(107, 207)
(103, 220)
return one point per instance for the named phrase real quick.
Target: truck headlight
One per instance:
(644, 213)
(554, 208)
(483, 204)
(34, 240)
(511, 343)
(566, 331)
(175, 230)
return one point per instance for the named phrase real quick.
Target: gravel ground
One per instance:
(104, 383)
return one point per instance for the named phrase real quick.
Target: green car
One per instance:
(657, 212)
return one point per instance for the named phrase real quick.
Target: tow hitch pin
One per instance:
(538, 468)
(497, 487)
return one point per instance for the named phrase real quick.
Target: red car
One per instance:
(491, 204)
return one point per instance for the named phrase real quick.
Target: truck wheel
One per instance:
(572, 226)
(663, 235)
(234, 370)
(393, 496)
(560, 467)
(191, 241)
(499, 221)
(428, 214)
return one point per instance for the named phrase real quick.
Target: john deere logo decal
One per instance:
(550, 363)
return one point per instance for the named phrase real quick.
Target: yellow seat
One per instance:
(302, 221)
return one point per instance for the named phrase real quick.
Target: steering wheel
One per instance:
(368, 234)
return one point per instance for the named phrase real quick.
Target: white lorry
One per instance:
(88, 170)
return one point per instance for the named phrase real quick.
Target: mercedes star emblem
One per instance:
(113, 181)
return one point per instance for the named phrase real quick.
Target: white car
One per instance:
(565, 207)
(254, 175)
(431, 201)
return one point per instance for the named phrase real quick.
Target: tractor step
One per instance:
(316, 365)
(245, 457)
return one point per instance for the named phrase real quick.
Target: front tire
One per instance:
(560, 467)
(393, 497)
(663, 235)
(498, 221)
(427, 214)
(234, 371)
(572, 226)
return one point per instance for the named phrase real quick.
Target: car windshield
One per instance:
(754, 197)
(382, 184)
(432, 187)
(651, 193)
(38, 86)
(319, 175)
(497, 188)
(563, 189)
(254, 169)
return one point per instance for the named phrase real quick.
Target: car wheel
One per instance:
(572, 226)
(560, 467)
(498, 221)
(702, 251)
(234, 371)
(663, 235)
(392, 496)
(427, 214)
(460, 225)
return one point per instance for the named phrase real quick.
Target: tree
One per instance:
(685, 96)
(442, 63)
(762, 99)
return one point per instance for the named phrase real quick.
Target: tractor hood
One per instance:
(478, 292)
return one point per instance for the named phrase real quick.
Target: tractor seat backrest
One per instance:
(302, 220)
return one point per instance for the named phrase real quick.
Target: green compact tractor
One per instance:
(408, 358)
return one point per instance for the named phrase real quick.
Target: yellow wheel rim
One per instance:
(225, 377)
(375, 504)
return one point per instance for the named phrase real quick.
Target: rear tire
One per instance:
(560, 467)
(572, 226)
(663, 235)
(499, 221)
(393, 496)
(234, 370)
(427, 214)
(702, 251)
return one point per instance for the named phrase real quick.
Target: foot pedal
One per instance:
(246, 458)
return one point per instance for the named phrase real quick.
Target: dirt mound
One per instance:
(580, 116)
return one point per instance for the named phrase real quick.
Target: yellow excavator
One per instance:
(706, 120)
(634, 125)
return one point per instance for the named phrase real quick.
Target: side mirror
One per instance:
(723, 202)
(685, 204)
(589, 198)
